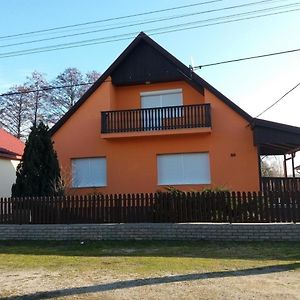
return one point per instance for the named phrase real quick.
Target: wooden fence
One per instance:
(160, 207)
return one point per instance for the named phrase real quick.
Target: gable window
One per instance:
(89, 172)
(183, 168)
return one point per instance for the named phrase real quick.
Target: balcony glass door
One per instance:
(153, 119)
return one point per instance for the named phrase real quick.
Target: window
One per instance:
(161, 98)
(187, 168)
(89, 172)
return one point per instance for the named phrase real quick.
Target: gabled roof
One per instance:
(10, 146)
(186, 74)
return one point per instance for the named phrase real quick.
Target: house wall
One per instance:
(7, 175)
(131, 161)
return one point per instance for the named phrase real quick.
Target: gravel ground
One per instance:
(260, 283)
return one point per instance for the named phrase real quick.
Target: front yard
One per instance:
(149, 270)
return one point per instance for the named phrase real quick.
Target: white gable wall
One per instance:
(7, 175)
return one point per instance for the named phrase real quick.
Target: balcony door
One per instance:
(153, 119)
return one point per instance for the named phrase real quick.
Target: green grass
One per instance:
(145, 257)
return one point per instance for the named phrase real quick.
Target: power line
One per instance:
(121, 37)
(105, 25)
(277, 101)
(246, 58)
(212, 64)
(47, 88)
(151, 21)
(111, 19)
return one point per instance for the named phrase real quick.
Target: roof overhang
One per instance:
(275, 138)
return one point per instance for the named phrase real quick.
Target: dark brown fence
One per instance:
(280, 184)
(160, 207)
(159, 118)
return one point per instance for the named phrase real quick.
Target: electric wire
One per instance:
(121, 37)
(246, 58)
(167, 18)
(47, 88)
(207, 65)
(113, 18)
(277, 101)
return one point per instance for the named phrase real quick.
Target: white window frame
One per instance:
(84, 185)
(160, 117)
(161, 92)
(182, 178)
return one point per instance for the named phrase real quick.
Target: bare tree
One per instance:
(35, 101)
(64, 98)
(91, 77)
(15, 111)
(71, 86)
(271, 167)
(39, 99)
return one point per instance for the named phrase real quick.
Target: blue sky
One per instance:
(252, 85)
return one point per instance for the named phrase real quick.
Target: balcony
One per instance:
(156, 120)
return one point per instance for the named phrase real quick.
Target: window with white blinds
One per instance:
(89, 172)
(184, 168)
(161, 98)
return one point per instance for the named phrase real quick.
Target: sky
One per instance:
(253, 85)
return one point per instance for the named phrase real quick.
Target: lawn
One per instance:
(149, 270)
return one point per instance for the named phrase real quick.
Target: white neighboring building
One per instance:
(11, 151)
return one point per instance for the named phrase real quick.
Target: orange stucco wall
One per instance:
(131, 161)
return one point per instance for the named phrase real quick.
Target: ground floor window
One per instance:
(89, 172)
(183, 168)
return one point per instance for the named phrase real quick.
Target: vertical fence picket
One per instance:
(278, 203)
(234, 208)
(250, 207)
(297, 207)
(239, 207)
(244, 208)
(283, 206)
(255, 207)
(99, 208)
(213, 207)
(271, 204)
(2, 221)
(260, 208)
(106, 209)
(142, 213)
(193, 208)
(188, 207)
(112, 206)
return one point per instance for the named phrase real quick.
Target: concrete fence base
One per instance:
(153, 231)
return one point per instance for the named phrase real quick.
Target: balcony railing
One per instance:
(280, 184)
(153, 119)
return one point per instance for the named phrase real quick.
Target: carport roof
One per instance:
(275, 138)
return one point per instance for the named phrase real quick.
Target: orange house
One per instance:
(150, 122)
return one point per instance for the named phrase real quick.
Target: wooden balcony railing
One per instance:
(160, 118)
(280, 184)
